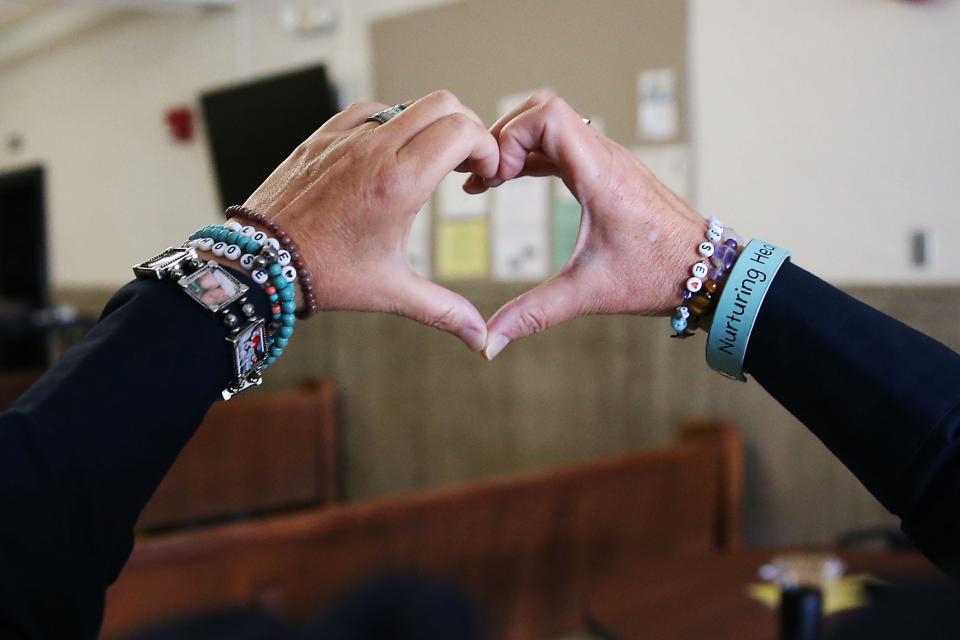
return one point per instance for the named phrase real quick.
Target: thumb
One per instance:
(565, 296)
(433, 305)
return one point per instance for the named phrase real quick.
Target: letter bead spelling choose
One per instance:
(219, 249)
(283, 257)
(259, 276)
(700, 269)
(246, 261)
(205, 244)
(705, 249)
(232, 252)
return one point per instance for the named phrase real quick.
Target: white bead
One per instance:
(233, 252)
(246, 261)
(714, 234)
(684, 312)
(705, 249)
(700, 269)
(694, 284)
(283, 258)
(205, 244)
(259, 276)
(219, 249)
(289, 273)
(248, 231)
(259, 236)
(273, 242)
(234, 226)
(714, 221)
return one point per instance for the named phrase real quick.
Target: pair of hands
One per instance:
(349, 193)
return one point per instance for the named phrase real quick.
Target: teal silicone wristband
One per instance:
(739, 304)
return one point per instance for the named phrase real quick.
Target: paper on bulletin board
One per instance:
(657, 113)
(670, 163)
(566, 213)
(454, 202)
(418, 242)
(520, 230)
(462, 249)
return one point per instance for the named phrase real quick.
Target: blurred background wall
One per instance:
(826, 126)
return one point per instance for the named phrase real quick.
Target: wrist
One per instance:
(717, 250)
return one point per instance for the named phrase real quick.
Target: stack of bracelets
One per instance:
(273, 263)
(718, 253)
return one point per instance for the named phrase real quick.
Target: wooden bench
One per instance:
(254, 455)
(525, 548)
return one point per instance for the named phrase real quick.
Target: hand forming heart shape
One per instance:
(349, 194)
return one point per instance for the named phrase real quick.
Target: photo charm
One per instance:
(249, 349)
(213, 287)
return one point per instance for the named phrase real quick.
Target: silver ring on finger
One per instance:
(388, 114)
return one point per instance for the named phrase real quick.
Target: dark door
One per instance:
(23, 270)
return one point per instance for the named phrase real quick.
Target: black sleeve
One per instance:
(883, 397)
(85, 447)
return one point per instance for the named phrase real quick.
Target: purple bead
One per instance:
(716, 273)
(730, 242)
(724, 256)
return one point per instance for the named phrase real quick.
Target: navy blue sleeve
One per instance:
(86, 446)
(883, 397)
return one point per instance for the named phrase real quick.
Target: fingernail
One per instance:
(492, 182)
(474, 338)
(495, 344)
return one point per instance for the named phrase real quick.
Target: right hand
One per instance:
(637, 239)
(349, 194)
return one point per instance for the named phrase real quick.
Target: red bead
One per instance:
(275, 309)
(271, 290)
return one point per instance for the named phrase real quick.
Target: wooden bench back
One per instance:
(253, 455)
(526, 548)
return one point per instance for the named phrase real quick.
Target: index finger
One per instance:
(448, 143)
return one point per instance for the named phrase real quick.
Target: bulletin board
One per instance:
(622, 63)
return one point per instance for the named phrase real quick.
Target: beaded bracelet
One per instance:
(701, 289)
(270, 268)
(306, 280)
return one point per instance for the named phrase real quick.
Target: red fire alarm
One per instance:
(180, 123)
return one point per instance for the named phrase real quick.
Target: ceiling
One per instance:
(27, 26)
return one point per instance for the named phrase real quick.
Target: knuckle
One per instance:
(443, 319)
(445, 98)
(556, 105)
(532, 320)
(542, 95)
(460, 120)
(390, 181)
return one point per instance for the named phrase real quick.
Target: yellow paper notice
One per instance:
(462, 249)
(848, 592)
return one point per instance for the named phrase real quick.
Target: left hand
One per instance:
(348, 196)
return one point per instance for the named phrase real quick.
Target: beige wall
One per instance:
(830, 126)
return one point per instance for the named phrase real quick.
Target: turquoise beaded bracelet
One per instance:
(269, 266)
